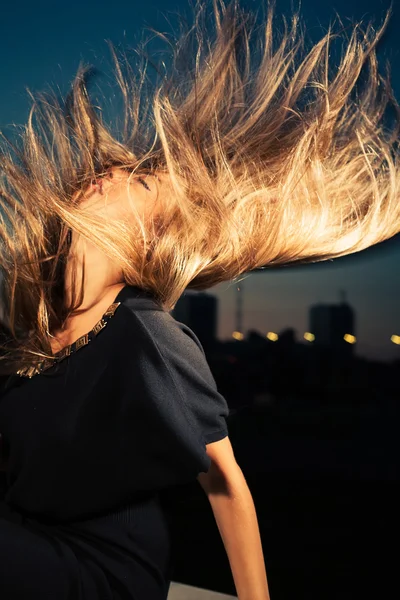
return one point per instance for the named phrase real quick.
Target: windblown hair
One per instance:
(286, 160)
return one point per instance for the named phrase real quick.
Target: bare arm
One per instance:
(236, 518)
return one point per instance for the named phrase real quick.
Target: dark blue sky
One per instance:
(43, 43)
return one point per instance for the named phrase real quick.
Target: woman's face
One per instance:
(114, 197)
(117, 195)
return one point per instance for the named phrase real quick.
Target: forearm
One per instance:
(236, 518)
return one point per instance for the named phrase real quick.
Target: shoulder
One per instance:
(147, 334)
(153, 336)
(166, 360)
(147, 321)
(145, 314)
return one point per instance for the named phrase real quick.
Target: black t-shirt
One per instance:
(130, 412)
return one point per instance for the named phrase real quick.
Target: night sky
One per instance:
(42, 44)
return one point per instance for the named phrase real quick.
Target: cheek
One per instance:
(124, 201)
(146, 203)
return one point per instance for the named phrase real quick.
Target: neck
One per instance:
(89, 313)
(101, 280)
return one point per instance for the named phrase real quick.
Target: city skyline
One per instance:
(276, 300)
(226, 327)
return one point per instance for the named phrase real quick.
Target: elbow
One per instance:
(217, 482)
(224, 475)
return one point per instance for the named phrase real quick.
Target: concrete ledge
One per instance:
(179, 591)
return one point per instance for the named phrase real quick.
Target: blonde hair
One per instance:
(289, 160)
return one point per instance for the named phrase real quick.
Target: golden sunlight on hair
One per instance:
(268, 154)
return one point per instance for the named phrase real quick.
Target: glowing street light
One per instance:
(395, 339)
(310, 337)
(351, 339)
(237, 335)
(272, 336)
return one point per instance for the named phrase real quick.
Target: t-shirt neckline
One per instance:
(35, 369)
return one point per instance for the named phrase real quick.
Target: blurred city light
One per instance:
(395, 339)
(351, 339)
(237, 335)
(310, 337)
(272, 336)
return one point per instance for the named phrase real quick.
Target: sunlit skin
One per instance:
(103, 278)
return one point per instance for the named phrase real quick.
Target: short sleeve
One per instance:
(175, 399)
(186, 361)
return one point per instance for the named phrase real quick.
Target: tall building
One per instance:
(199, 311)
(333, 325)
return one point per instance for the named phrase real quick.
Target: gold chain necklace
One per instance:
(31, 370)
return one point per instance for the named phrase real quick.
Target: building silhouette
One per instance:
(333, 326)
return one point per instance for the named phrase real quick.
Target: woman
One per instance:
(108, 400)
